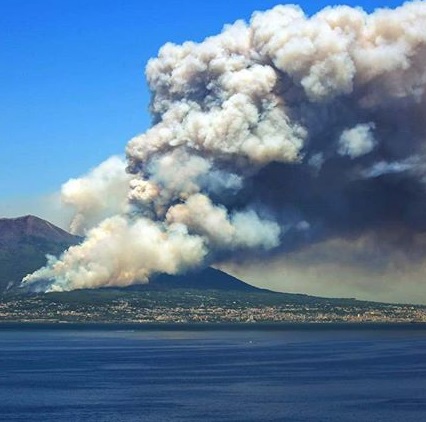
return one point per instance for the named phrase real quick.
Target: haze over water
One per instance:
(301, 374)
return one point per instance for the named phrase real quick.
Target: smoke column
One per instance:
(268, 138)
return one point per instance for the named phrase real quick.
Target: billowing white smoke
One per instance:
(101, 193)
(237, 115)
(112, 251)
(357, 141)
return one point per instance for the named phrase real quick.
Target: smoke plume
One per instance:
(271, 137)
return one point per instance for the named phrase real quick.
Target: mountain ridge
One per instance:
(12, 230)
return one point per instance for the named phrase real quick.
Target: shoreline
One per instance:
(208, 326)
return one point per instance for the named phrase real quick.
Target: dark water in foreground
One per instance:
(298, 374)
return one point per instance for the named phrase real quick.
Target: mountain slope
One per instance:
(24, 243)
(207, 278)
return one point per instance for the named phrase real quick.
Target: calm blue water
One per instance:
(221, 375)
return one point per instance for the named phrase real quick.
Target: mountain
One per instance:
(24, 243)
(207, 278)
(204, 295)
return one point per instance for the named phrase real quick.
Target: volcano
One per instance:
(25, 242)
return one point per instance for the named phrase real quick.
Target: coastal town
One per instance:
(193, 307)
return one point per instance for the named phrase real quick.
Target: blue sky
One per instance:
(72, 80)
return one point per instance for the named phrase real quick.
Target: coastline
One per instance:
(209, 326)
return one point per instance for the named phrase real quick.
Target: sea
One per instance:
(278, 372)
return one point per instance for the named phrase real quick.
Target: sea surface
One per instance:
(229, 373)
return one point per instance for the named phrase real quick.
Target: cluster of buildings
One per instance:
(42, 308)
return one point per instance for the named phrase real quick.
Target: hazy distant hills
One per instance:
(24, 243)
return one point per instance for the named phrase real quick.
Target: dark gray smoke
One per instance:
(267, 138)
